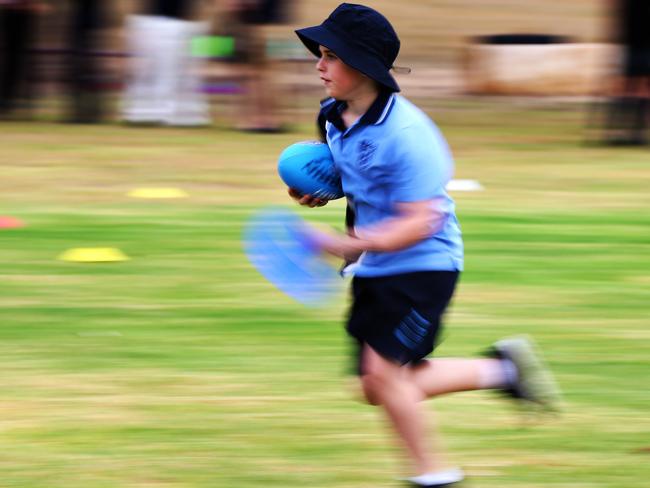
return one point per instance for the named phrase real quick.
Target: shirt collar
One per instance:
(374, 115)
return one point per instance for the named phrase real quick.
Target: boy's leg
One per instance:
(448, 375)
(514, 367)
(386, 383)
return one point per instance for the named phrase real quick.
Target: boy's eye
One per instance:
(330, 56)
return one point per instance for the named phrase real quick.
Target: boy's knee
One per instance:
(371, 389)
(379, 378)
(377, 382)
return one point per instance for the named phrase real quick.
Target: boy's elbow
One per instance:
(429, 224)
(434, 223)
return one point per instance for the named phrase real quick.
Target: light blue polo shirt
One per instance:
(395, 153)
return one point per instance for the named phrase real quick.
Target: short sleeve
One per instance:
(420, 165)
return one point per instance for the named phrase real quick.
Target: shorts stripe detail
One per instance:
(414, 336)
(413, 325)
(405, 340)
(419, 317)
(412, 329)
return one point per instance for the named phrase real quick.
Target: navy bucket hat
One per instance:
(361, 37)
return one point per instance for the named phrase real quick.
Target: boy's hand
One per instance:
(306, 200)
(341, 245)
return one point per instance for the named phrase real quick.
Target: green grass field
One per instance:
(183, 368)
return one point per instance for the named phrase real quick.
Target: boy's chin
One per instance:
(332, 93)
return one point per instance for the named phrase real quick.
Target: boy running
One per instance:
(403, 239)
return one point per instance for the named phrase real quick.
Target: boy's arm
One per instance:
(415, 222)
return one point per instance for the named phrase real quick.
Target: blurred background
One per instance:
(138, 347)
(99, 53)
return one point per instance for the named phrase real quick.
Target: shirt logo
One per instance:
(366, 151)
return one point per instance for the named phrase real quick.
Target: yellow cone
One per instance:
(157, 193)
(93, 255)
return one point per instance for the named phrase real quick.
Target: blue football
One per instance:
(308, 167)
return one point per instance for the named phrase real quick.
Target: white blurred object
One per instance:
(164, 82)
(464, 185)
(539, 69)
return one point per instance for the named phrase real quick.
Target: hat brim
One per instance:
(349, 53)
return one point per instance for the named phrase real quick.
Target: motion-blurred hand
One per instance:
(306, 200)
(331, 242)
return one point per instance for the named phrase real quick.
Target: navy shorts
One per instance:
(399, 316)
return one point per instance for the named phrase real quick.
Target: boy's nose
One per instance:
(319, 64)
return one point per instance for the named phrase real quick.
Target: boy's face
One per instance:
(341, 81)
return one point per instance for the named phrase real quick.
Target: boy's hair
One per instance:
(361, 37)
